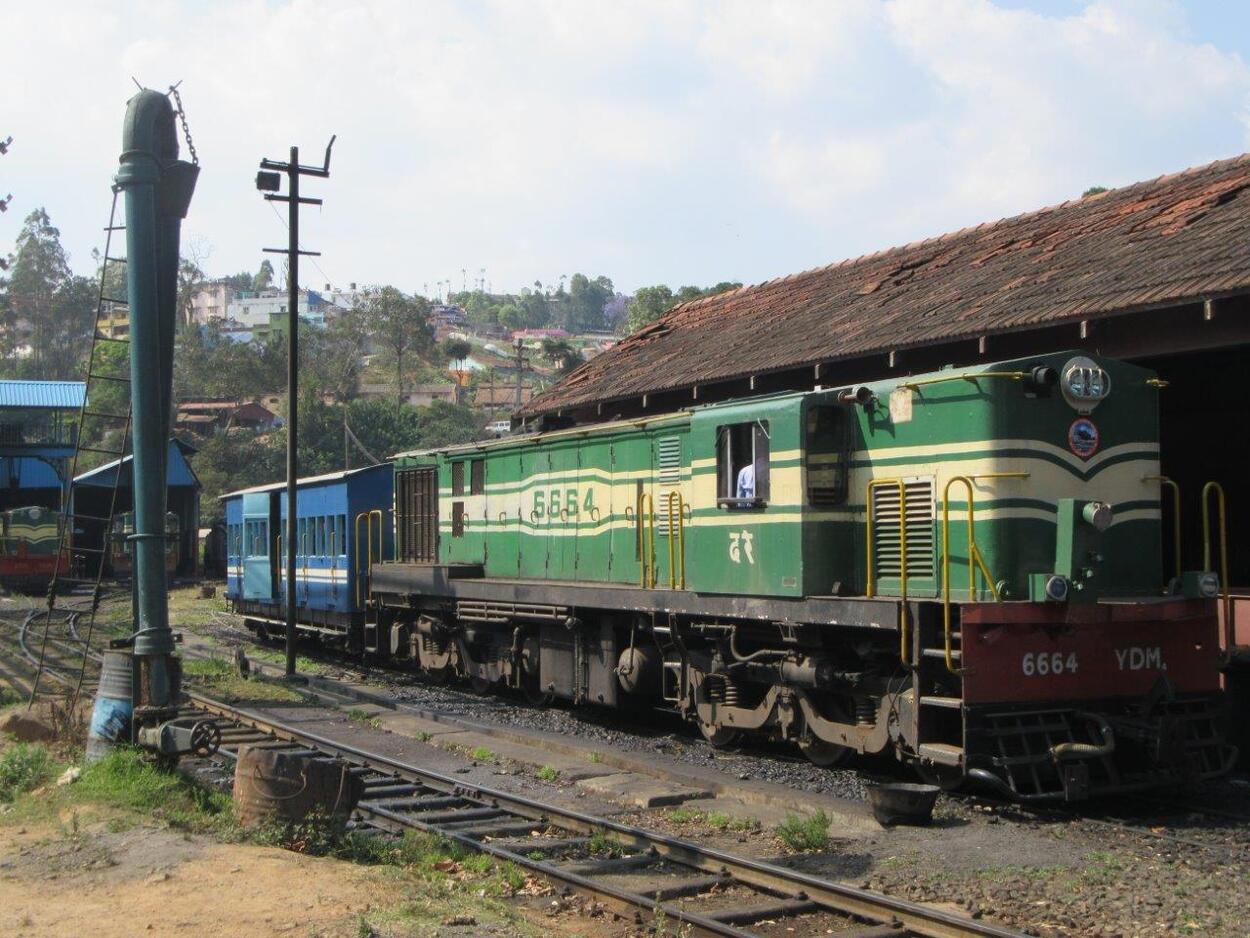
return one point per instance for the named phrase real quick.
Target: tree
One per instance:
(1093, 190)
(535, 309)
(340, 350)
(511, 317)
(648, 304)
(190, 279)
(264, 276)
(40, 269)
(239, 281)
(561, 354)
(455, 350)
(583, 310)
(399, 324)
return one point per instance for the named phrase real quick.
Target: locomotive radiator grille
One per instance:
(887, 562)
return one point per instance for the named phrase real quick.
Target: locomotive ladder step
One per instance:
(115, 228)
(944, 753)
(748, 914)
(115, 260)
(96, 376)
(113, 299)
(952, 703)
(102, 452)
(101, 337)
(941, 653)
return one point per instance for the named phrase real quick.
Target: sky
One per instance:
(654, 141)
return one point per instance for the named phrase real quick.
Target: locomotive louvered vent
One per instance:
(669, 448)
(885, 532)
(416, 514)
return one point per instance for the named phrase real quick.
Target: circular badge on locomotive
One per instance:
(1083, 437)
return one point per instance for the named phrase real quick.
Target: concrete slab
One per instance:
(641, 790)
(569, 768)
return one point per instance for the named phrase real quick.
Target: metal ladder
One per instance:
(88, 569)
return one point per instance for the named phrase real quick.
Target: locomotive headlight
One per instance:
(1084, 384)
(1209, 585)
(1057, 589)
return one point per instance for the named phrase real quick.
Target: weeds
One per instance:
(223, 679)
(423, 737)
(364, 717)
(603, 843)
(124, 779)
(482, 754)
(548, 773)
(22, 767)
(596, 757)
(685, 815)
(727, 822)
(805, 833)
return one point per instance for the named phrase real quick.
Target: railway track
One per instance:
(715, 892)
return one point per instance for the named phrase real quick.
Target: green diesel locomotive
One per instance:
(963, 568)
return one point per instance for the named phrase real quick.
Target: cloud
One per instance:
(652, 141)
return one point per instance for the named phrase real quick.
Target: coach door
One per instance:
(258, 571)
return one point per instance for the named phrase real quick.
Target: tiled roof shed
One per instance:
(1174, 240)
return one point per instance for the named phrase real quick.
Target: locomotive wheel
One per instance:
(823, 754)
(718, 735)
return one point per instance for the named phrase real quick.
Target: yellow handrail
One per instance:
(967, 376)
(903, 624)
(367, 518)
(1176, 516)
(975, 560)
(1222, 505)
(676, 559)
(334, 557)
(645, 528)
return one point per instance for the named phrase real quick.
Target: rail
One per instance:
(1226, 594)
(903, 622)
(1176, 516)
(975, 560)
(362, 578)
(646, 538)
(967, 376)
(511, 827)
(677, 556)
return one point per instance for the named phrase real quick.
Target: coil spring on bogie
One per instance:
(722, 690)
(865, 711)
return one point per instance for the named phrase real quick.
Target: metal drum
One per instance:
(272, 785)
(114, 705)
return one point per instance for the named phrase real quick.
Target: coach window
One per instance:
(742, 465)
(477, 476)
(457, 478)
(827, 455)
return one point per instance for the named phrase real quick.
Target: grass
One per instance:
(303, 664)
(548, 773)
(23, 766)
(422, 736)
(222, 679)
(482, 754)
(804, 833)
(364, 717)
(596, 757)
(8, 696)
(603, 843)
(718, 820)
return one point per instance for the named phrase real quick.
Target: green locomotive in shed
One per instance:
(962, 567)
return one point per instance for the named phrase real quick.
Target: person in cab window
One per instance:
(746, 481)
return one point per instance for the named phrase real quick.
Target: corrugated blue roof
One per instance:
(178, 470)
(53, 395)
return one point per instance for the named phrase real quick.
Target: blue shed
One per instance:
(344, 524)
(92, 495)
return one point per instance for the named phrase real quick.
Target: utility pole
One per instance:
(268, 181)
(521, 364)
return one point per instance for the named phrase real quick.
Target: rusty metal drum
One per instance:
(271, 785)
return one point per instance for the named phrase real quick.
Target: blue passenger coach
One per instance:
(343, 525)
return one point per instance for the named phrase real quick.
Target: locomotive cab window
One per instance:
(827, 455)
(742, 465)
(457, 478)
(477, 476)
